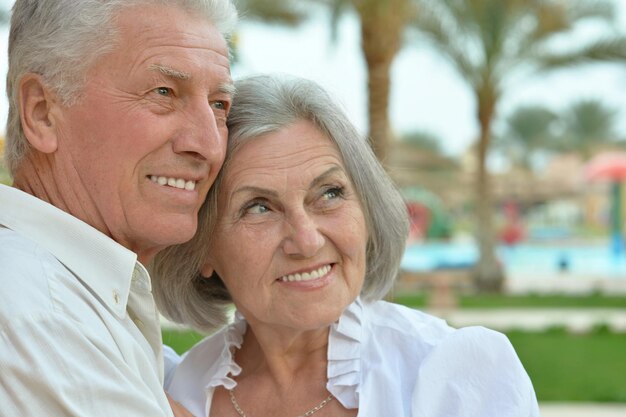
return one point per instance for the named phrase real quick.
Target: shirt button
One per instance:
(139, 324)
(116, 297)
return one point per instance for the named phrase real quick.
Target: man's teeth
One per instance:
(174, 182)
(307, 276)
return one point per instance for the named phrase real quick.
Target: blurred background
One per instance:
(503, 122)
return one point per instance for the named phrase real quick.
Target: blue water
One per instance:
(593, 260)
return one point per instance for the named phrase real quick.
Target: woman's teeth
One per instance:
(307, 276)
(174, 182)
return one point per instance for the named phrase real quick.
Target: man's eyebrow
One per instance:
(228, 88)
(170, 72)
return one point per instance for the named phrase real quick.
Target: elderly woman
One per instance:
(303, 232)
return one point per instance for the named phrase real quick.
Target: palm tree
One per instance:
(528, 129)
(383, 24)
(588, 123)
(489, 42)
(424, 140)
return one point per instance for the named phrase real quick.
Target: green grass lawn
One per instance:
(419, 300)
(568, 367)
(181, 341)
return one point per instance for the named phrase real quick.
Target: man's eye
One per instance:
(163, 91)
(219, 105)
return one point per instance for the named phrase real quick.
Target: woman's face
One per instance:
(291, 236)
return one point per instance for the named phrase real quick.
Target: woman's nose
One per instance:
(304, 237)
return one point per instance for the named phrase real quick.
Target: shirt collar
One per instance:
(105, 266)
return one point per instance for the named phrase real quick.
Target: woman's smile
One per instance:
(307, 276)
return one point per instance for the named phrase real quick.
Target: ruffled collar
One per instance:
(225, 366)
(344, 356)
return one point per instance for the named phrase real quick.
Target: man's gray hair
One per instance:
(265, 104)
(61, 39)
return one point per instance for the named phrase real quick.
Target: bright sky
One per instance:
(426, 93)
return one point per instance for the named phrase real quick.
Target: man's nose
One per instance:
(204, 135)
(304, 237)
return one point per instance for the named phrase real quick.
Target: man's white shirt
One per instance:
(79, 330)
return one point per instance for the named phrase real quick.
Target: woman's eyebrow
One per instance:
(252, 189)
(255, 190)
(324, 176)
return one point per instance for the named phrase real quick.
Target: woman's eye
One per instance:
(333, 192)
(256, 208)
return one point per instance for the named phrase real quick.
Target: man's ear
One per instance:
(36, 102)
(207, 269)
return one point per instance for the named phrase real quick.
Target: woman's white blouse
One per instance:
(386, 360)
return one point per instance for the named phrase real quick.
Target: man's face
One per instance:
(137, 155)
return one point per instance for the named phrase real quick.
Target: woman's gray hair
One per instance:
(61, 39)
(265, 104)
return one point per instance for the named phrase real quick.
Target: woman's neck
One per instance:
(284, 356)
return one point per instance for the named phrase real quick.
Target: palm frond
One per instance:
(580, 10)
(602, 50)
(531, 125)
(337, 9)
(589, 121)
(287, 12)
(436, 25)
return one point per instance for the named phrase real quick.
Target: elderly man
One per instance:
(116, 131)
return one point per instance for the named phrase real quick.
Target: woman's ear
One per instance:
(36, 102)
(207, 269)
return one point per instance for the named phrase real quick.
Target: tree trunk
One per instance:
(382, 26)
(488, 274)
